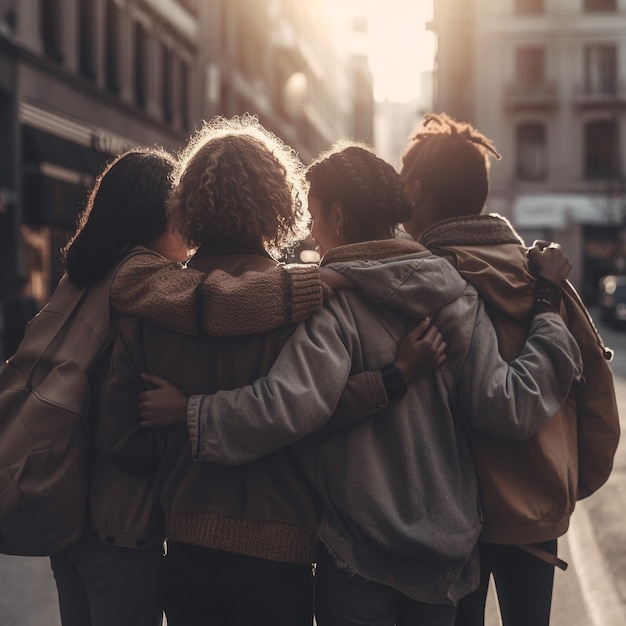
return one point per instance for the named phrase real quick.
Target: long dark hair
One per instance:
(125, 208)
(368, 188)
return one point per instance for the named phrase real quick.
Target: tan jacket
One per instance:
(529, 488)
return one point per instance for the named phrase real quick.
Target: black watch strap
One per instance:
(393, 382)
(547, 296)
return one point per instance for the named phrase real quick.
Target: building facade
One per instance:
(83, 80)
(546, 81)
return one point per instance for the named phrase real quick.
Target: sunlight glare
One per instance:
(400, 47)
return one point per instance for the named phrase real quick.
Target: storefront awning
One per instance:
(40, 147)
(56, 176)
(559, 210)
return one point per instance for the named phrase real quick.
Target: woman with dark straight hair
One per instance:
(111, 575)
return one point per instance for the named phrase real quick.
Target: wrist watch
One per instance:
(393, 382)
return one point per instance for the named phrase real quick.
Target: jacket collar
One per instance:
(471, 230)
(372, 250)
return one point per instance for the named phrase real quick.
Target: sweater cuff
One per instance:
(193, 424)
(307, 290)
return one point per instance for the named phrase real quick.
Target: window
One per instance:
(86, 38)
(51, 29)
(112, 48)
(167, 83)
(531, 151)
(599, 5)
(529, 62)
(525, 7)
(601, 69)
(184, 94)
(601, 150)
(140, 65)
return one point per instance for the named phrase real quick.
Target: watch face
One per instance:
(393, 382)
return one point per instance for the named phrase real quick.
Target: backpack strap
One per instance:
(544, 555)
(91, 304)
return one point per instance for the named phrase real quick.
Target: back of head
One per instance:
(369, 190)
(238, 184)
(450, 159)
(125, 208)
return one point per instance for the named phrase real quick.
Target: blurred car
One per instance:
(612, 300)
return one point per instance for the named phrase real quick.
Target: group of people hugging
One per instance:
(364, 441)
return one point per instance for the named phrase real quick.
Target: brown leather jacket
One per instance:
(264, 509)
(529, 488)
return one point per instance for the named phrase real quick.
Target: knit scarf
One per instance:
(472, 230)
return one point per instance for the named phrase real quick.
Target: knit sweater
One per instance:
(215, 304)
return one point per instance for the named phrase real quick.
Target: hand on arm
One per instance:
(421, 351)
(165, 405)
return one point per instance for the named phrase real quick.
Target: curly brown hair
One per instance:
(451, 161)
(368, 188)
(236, 183)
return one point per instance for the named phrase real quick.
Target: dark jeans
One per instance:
(99, 585)
(345, 599)
(523, 583)
(204, 587)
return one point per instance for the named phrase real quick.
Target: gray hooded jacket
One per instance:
(399, 490)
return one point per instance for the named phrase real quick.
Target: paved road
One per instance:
(592, 592)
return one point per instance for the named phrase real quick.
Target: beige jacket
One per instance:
(529, 488)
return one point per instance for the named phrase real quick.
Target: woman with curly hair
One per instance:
(399, 500)
(111, 574)
(239, 539)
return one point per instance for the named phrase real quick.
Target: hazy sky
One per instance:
(400, 47)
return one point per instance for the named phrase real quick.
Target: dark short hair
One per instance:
(451, 161)
(125, 208)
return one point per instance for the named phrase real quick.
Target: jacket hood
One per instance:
(490, 255)
(375, 265)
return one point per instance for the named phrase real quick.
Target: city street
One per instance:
(592, 592)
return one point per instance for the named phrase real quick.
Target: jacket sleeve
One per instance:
(510, 401)
(514, 400)
(596, 405)
(195, 303)
(118, 433)
(297, 398)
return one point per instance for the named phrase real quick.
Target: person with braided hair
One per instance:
(528, 488)
(399, 501)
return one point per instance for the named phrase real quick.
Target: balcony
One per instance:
(542, 96)
(596, 97)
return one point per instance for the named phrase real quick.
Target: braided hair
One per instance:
(368, 188)
(451, 160)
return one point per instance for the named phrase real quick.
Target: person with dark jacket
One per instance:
(239, 540)
(528, 488)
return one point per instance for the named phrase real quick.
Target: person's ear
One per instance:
(338, 217)
(418, 194)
